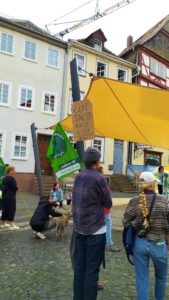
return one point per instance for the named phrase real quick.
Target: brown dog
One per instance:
(62, 223)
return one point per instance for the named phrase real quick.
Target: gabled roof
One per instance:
(30, 27)
(148, 35)
(94, 33)
(85, 41)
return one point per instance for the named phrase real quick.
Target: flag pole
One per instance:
(37, 160)
(76, 97)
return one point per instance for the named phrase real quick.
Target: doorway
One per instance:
(43, 144)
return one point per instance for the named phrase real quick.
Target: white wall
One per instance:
(18, 71)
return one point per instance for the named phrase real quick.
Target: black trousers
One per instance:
(89, 254)
(160, 189)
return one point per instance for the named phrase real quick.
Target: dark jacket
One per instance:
(90, 195)
(41, 215)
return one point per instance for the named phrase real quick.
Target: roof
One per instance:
(132, 112)
(30, 27)
(85, 41)
(93, 33)
(104, 55)
(148, 35)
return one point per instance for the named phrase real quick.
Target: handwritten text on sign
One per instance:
(82, 117)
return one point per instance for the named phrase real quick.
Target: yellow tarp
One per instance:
(128, 112)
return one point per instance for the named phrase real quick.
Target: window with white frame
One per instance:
(157, 68)
(122, 75)
(4, 93)
(20, 150)
(53, 58)
(49, 102)
(30, 50)
(162, 70)
(82, 94)
(98, 45)
(70, 137)
(6, 43)
(81, 63)
(26, 98)
(102, 68)
(2, 143)
(98, 143)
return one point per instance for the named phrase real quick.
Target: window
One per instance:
(26, 98)
(6, 43)
(30, 50)
(49, 103)
(152, 158)
(98, 143)
(70, 137)
(52, 57)
(158, 68)
(2, 143)
(20, 146)
(81, 63)
(98, 45)
(162, 70)
(4, 93)
(102, 69)
(122, 75)
(82, 94)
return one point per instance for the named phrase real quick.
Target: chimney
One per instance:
(129, 41)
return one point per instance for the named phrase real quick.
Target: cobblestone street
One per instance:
(35, 269)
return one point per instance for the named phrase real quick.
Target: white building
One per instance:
(31, 85)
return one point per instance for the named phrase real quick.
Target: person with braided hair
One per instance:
(151, 245)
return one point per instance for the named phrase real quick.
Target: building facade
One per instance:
(93, 57)
(151, 53)
(31, 84)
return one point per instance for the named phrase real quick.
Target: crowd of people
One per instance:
(91, 202)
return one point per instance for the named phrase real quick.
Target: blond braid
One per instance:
(143, 203)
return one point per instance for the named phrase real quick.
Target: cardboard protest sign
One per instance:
(83, 123)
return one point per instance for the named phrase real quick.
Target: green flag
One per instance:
(63, 157)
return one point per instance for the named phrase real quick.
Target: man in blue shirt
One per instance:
(90, 195)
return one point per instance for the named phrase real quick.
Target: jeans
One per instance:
(89, 254)
(108, 221)
(156, 250)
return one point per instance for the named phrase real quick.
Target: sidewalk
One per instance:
(27, 202)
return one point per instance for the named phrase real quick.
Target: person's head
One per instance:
(161, 169)
(56, 186)
(50, 200)
(10, 170)
(92, 158)
(147, 181)
(100, 170)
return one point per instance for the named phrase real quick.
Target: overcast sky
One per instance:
(134, 19)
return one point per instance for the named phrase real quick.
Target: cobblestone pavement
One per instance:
(40, 269)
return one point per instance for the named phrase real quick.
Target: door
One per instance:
(43, 144)
(118, 157)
